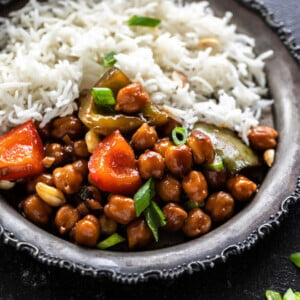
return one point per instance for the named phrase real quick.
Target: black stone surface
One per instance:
(244, 277)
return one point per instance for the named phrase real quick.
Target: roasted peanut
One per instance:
(202, 147)
(87, 231)
(6, 185)
(49, 194)
(179, 159)
(212, 43)
(120, 208)
(219, 206)
(144, 138)
(108, 226)
(138, 234)
(175, 217)
(151, 164)
(92, 140)
(263, 137)
(241, 188)
(131, 99)
(269, 156)
(162, 145)
(36, 210)
(80, 149)
(67, 179)
(68, 125)
(44, 178)
(195, 186)
(196, 223)
(48, 161)
(169, 189)
(65, 219)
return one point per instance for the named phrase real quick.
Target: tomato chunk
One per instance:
(21, 152)
(113, 166)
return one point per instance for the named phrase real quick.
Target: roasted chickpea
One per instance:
(263, 137)
(162, 145)
(68, 125)
(144, 138)
(120, 208)
(44, 178)
(87, 231)
(138, 234)
(220, 206)
(80, 149)
(36, 210)
(60, 153)
(195, 186)
(81, 166)
(241, 188)
(65, 219)
(131, 99)
(44, 131)
(67, 179)
(215, 180)
(151, 164)
(108, 226)
(167, 128)
(168, 189)
(179, 159)
(175, 217)
(196, 223)
(91, 197)
(202, 147)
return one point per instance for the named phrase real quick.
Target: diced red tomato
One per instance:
(113, 166)
(21, 152)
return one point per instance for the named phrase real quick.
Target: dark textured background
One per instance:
(245, 277)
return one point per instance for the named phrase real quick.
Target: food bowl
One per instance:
(279, 189)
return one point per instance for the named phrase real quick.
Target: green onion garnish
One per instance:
(143, 21)
(289, 295)
(272, 295)
(109, 60)
(179, 135)
(295, 258)
(112, 240)
(103, 97)
(217, 165)
(154, 218)
(143, 196)
(189, 205)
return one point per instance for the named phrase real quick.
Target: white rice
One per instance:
(52, 51)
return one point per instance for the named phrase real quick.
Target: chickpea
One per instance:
(220, 206)
(36, 210)
(215, 180)
(91, 197)
(44, 131)
(45, 178)
(87, 231)
(196, 223)
(80, 149)
(175, 217)
(131, 99)
(120, 208)
(179, 159)
(144, 138)
(241, 188)
(202, 147)
(167, 128)
(67, 179)
(81, 166)
(108, 226)
(151, 164)
(195, 186)
(82, 208)
(169, 189)
(65, 219)
(60, 153)
(263, 137)
(138, 234)
(68, 125)
(161, 146)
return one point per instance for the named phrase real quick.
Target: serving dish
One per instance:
(278, 191)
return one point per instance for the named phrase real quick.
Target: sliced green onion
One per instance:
(109, 60)
(179, 135)
(272, 295)
(217, 165)
(143, 196)
(189, 205)
(103, 97)
(154, 218)
(289, 295)
(295, 258)
(112, 240)
(143, 21)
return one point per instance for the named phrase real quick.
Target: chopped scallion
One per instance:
(154, 218)
(189, 205)
(103, 97)
(143, 21)
(179, 135)
(217, 165)
(289, 295)
(143, 196)
(295, 258)
(272, 295)
(109, 60)
(112, 240)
